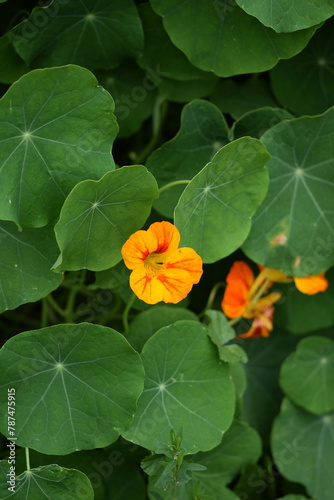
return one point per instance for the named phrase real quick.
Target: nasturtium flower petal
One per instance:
(242, 272)
(187, 259)
(137, 248)
(311, 284)
(167, 236)
(235, 299)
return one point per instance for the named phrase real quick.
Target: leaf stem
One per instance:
(172, 184)
(27, 458)
(212, 297)
(159, 113)
(126, 311)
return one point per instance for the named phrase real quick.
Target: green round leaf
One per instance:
(25, 261)
(94, 34)
(287, 15)
(185, 387)
(148, 322)
(237, 98)
(294, 229)
(46, 483)
(307, 375)
(305, 83)
(215, 210)
(303, 449)
(201, 124)
(134, 94)
(254, 49)
(76, 386)
(99, 216)
(56, 128)
(257, 121)
(160, 52)
(240, 445)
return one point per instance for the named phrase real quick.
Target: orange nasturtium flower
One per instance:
(243, 297)
(160, 270)
(309, 285)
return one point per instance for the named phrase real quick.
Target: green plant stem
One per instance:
(126, 311)
(172, 184)
(159, 114)
(55, 306)
(212, 297)
(27, 458)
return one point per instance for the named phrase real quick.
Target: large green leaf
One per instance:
(160, 52)
(56, 129)
(215, 210)
(25, 261)
(94, 34)
(148, 322)
(99, 216)
(240, 445)
(185, 387)
(287, 15)
(254, 49)
(238, 98)
(303, 449)
(50, 482)
(294, 229)
(76, 386)
(203, 125)
(307, 375)
(305, 83)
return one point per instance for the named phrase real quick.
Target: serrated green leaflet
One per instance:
(148, 322)
(257, 121)
(203, 125)
(294, 230)
(50, 482)
(76, 386)
(94, 34)
(240, 445)
(57, 128)
(286, 16)
(305, 83)
(303, 449)
(25, 261)
(307, 375)
(94, 221)
(215, 210)
(186, 387)
(221, 332)
(134, 94)
(255, 49)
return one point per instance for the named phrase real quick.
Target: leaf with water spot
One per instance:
(202, 132)
(20, 281)
(294, 230)
(94, 34)
(303, 449)
(214, 213)
(99, 216)
(57, 127)
(307, 375)
(46, 483)
(185, 387)
(76, 387)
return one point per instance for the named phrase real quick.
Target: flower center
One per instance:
(154, 264)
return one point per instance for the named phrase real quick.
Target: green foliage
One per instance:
(218, 117)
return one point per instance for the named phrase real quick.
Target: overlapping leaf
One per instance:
(25, 261)
(256, 122)
(287, 16)
(76, 386)
(215, 210)
(99, 216)
(56, 129)
(307, 375)
(305, 82)
(185, 387)
(255, 48)
(46, 483)
(303, 449)
(202, 132)
(294, 230)
(93, 34)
